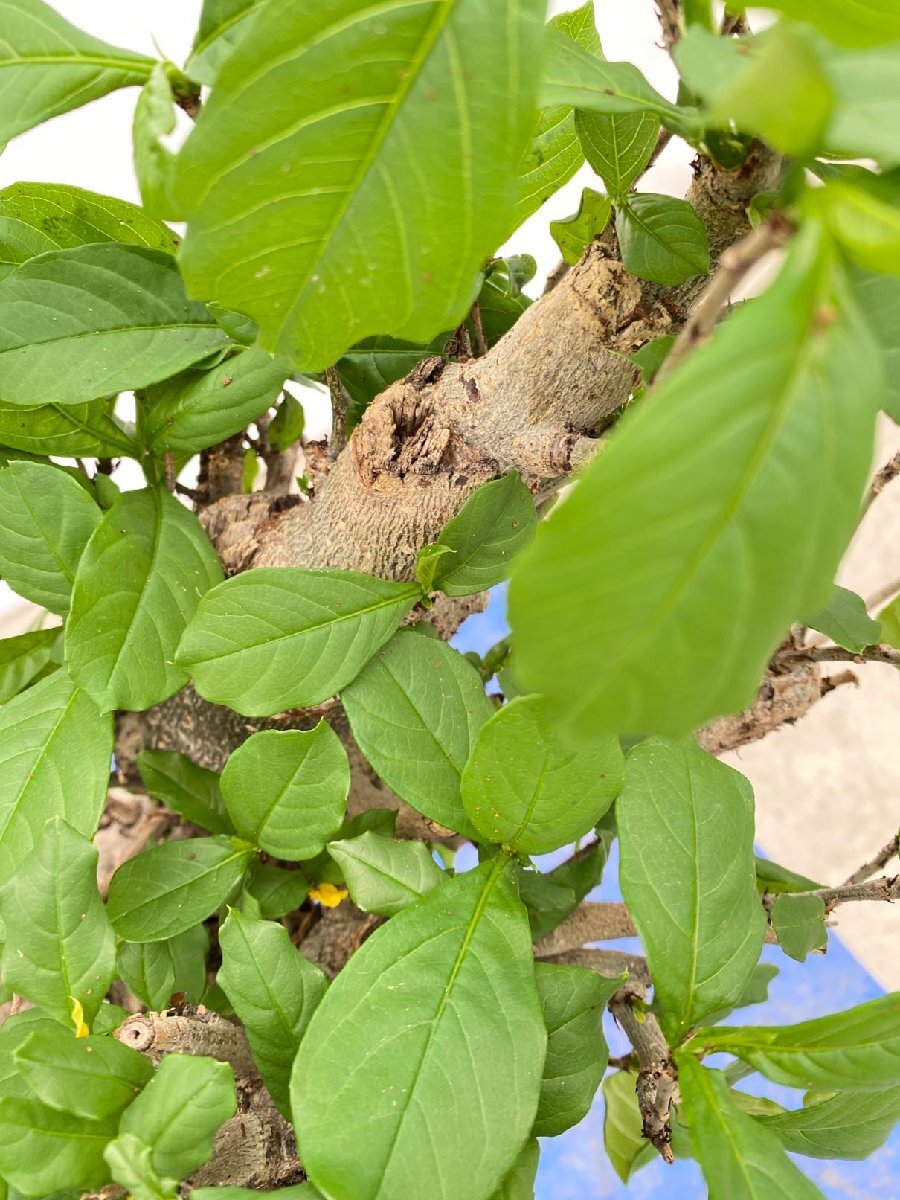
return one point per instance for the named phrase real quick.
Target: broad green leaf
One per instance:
(434, 1029)
(187, 788)
(623, 1131)
(48, 66)
(879, 299)
(740, 1159)
(550, 898)
(385, 876)
(23, 658)
(617, 146)
(575, 233)
(799, 922)
(857, 1049)
(846, 1125)
(661, 239)
(699, 918)
(519, 1183)
(15, 1030)
(170, 888)
(46, 519)
(415, 711)
(157, 971)
(92, 1077)
(277, 891)
(865, 225)
(59, 945)
(845, 620)
(663, 615)
(374, 363)
(284, 637)
(771, 877)
(222, 23)
(286, 791)
(87, 321)
(72, 430)
(866, 118)
(321, 267)
(55, 752)
(37, 217)
(274, 991)
(137, 587)
(154, 162)
(523, 788)
(756, 991)
(495, 523)
(131, 1162)
(573, 1000)
(861, 23)
(43, 1151)
(178, 1112)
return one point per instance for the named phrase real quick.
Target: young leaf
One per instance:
(890, 623)
(286, 427)
(137, 588)
(740, 1159)
(845, 620)
(59, 946)
(47, 519)
(522, 788)
(648, 622)
(879, 298)
(685, 824)
(284, 637)
(573, 1000)
(156, 971)
(286, 791)
(49, 67)
(772, 877)
(799, 922)
(91, 320)
(55, 752)
(43, 1151)
(519, 1183)
(170, 888)
(131, 1162)
(419, 106)
(274, 991)
(178, 1112)
(574, 234)
(427, 565)
(846, 1125)
(73, 430)
(187, 788)
(384, 876)
(857, 1049)
(92, 1077)
(617, 146)
(277, 891)
(494, 524)
(154, 162)
(397, 1027)
(661, 239)
(222, 23)
(23, 658)
(623, 1137)
(415, 711)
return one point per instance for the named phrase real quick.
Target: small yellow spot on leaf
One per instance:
(328, 895)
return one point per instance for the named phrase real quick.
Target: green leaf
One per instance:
(284, 637)
(157, 971)
(890, 623)
(87, 321)
(771, 877)
(399, 1027)
(274, 991)
(320, 268)
(867, 226)
(222, 24)
(131, 1163)
(661, 239)
(137, 587)
(799, 922)
(46, 519)
(519, 1183)
(55, 751)
(168, 889)
(43, 1151)
(374, 363)
(550, 898)
(427, 565)
(23, 658)
(522, 788)
(857, 1049)
(740, 1159)
(37, 217)
(652, 355)
(501, 301)
(74, 430)
(866, 118)
(16, 1029)
(92, 1077)
(663, 615)
(385, 876)
(287, 425)
(178, 1112)
(879, 299)
(847, 1125)
(495, 523)
(699, 916)
(623, 1138)
(49, 67)
(845, 620)
(574, 234)
(59, 945)
(756, 991)
(573, 1000)
(276, 890)
(286, 791)
(187, 788)
(618, 146)
(415, 711)
(863, 23)
(154, 162)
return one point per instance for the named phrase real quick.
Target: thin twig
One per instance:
(868, 869)
(887, 888)
(657, 1081)
(480, 342)
(189, 493)
(882, 654)
(169, 462)
(882, 478)
(608, 963)
(669, 13)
